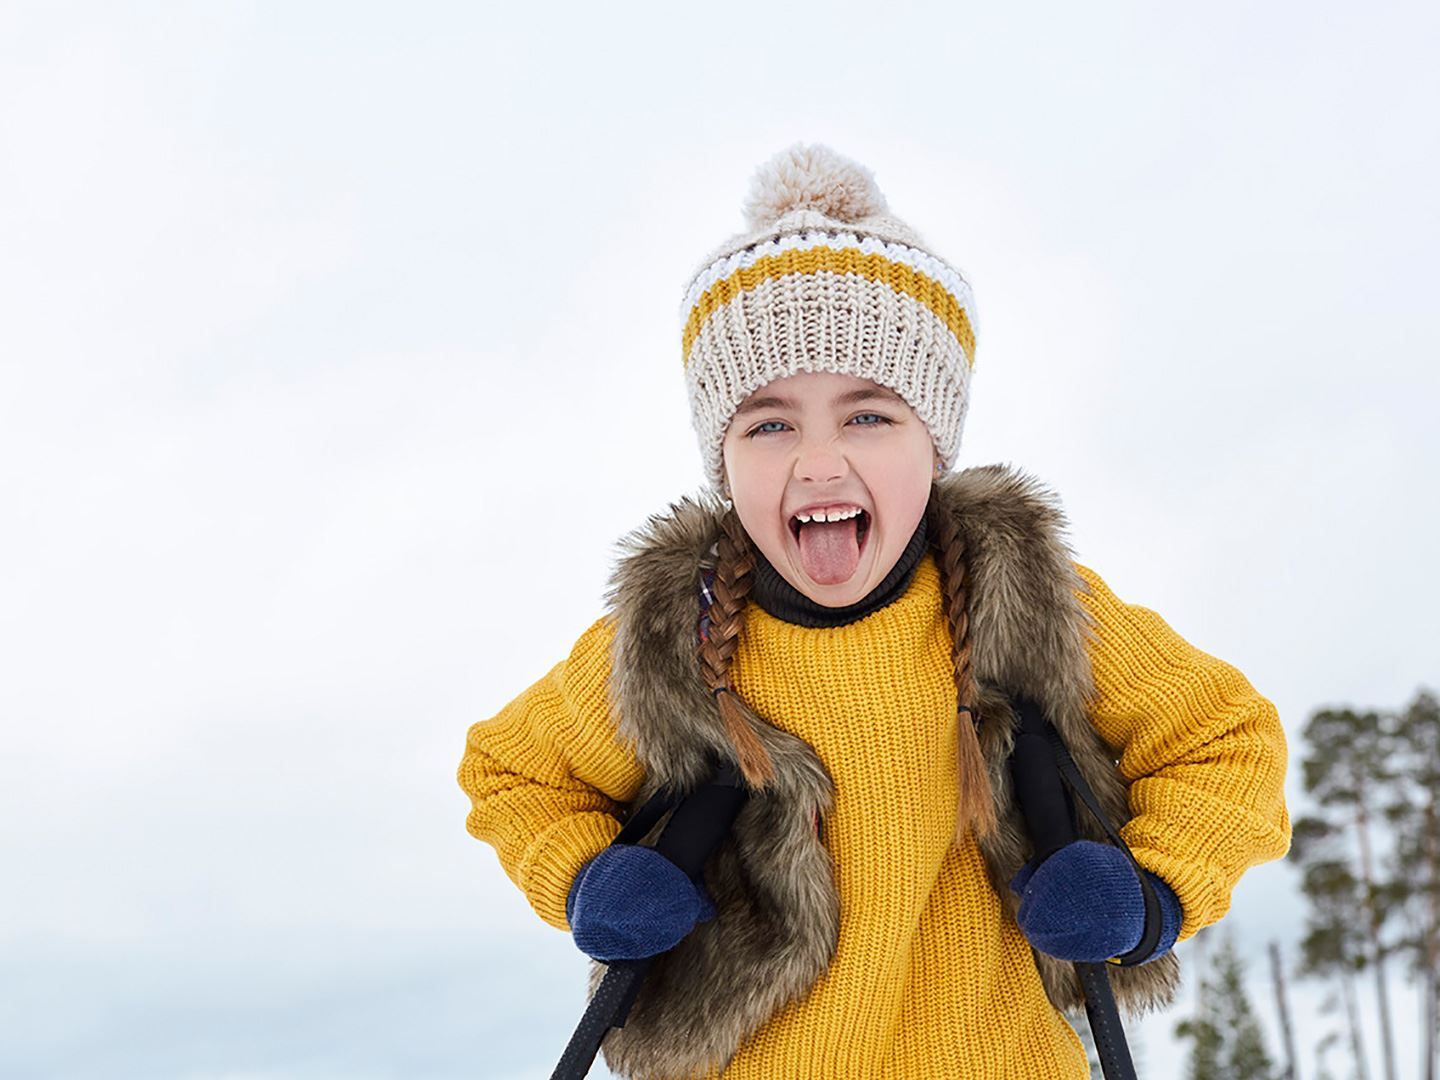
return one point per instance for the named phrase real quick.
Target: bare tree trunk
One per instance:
(1429, 1021)
(1430, 939)
(1202, 939)
(1367, 880)
(1352, 1017)
(1277, 971)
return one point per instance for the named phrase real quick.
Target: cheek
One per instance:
(901, 496)
(759, 503)
(756, 477)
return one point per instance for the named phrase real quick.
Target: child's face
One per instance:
(812, 446)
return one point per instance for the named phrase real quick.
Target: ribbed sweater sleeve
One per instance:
(546, 776)
(1205, 752)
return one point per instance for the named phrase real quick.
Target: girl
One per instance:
(850, 622)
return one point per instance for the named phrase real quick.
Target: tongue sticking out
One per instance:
(830, 551)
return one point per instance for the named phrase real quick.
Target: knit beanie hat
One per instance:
(826, 279)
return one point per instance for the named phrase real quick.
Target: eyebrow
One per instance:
(850, 397)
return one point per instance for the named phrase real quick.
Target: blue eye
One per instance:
(882, 421)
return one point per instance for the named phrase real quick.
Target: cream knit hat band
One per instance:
(826, 281)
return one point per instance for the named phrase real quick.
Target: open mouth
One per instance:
(829, 552)
(862, 528)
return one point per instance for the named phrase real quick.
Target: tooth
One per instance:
(828, 515)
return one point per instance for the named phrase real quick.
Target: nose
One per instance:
(820, 463)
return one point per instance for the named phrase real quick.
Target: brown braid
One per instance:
(977, 807)
(734, 575)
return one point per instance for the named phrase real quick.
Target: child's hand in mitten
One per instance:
(630, 902)
(1083, 903)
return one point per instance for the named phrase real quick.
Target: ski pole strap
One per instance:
(1073, 777)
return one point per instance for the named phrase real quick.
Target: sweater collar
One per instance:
(782, 600)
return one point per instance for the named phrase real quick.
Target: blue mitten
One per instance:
(630, 902)
(1083, 903)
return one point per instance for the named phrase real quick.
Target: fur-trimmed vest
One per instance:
(779, 919)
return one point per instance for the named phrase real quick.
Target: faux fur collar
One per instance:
(779, 918)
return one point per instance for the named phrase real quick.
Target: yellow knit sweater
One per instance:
(930, 977)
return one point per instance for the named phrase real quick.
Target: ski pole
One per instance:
(700, 822)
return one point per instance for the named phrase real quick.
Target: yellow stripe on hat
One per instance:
(874, 267)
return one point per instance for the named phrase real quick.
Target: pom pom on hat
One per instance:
(812, 177)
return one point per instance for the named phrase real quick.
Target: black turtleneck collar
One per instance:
(782, 600)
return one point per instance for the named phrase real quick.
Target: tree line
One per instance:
(1368, 854)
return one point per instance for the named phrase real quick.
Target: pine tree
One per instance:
(1204, 1060)
(1334, 943)
(1415, 867)
(1347, 768)
(1228, 1042)
(1244, 1056)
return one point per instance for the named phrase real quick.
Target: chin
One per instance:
(845, 599)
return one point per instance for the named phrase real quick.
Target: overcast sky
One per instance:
(339, 345)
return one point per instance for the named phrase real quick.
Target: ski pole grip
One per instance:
(703, 820)
(1046, 805)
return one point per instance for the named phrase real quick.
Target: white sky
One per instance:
(338, 346)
